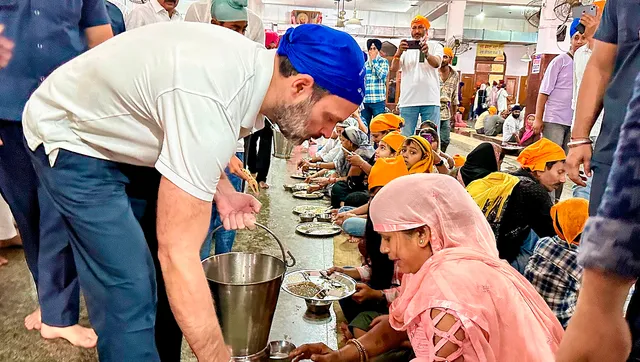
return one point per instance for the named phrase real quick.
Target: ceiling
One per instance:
(399, 6)
(495, 11)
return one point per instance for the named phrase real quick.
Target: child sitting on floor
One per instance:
(553, 269)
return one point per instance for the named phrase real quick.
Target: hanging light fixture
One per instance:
(526, 57)
(354, 22)
(481, 15)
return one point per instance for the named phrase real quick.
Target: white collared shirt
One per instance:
(149, 13)
(178, 108)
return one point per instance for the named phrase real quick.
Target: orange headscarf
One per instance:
(536, 156)
(448, 51)
(493, 110)
(394, 140)
(569, 217)
(426, 164)
(419, 19)
(385, 122)
(386, 170)
(458, 160)
(461, 109)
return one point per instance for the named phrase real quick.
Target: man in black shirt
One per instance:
(528, 203)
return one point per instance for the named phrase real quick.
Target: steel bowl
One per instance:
(307, 217)
(326, 217)
(280, 350)
(318, 307)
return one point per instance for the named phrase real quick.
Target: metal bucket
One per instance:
(282, 148)
(245, 289)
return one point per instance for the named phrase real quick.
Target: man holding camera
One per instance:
(419, 60)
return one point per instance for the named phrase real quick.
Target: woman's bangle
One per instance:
(581, 142)
(364, 357)
(579, 138)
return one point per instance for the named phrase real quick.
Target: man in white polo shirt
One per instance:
(131, 146)
(420, 86)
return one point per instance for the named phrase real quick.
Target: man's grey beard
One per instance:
(292, 120)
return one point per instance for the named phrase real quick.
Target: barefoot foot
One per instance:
(346, 333)
(263, 185)
(3, 261)
(76, 335)
(33, 320)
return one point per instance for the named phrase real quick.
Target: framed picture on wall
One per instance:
(306, 17)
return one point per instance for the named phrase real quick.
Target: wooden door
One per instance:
(512, 88)
(468, 91)
(522, 94)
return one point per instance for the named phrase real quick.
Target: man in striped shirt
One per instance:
(376, 82)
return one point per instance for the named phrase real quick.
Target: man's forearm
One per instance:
(604, 291)
(540, 104)
(433, 61)
(182, 223)
(395, 65)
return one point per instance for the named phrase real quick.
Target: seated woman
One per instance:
(458, 301)
(527, 136)
(353, 219)
(377, 287)
(431, 135)
(346, 179)
(553, 268)
(380, 126)
(484, 159)
(459, 123)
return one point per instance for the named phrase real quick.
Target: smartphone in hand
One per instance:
(413, 44)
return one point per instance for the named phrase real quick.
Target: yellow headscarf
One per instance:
(493, 110)
(491, 194)
(426, 164)
(458, 160)
(394, 140)
(536, 156)
(419, 19)
(386, 170)
(569, 217)
(385, 122)
(448, 51)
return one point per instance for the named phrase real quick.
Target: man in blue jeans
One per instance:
(375, 82)
(45, 35)
(133, 158)
(420, 86)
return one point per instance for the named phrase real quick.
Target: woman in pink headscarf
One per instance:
(271, 39)
(458, 301)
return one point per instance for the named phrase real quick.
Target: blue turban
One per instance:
(331, 57)
(574, 27)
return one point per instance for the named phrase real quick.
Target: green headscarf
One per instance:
(229, 10)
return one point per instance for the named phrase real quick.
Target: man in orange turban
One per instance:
(544, 161)
(419, 60)
(553, 268)
(448, 98)
(383, 124)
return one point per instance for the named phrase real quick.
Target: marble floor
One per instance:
(17, 294)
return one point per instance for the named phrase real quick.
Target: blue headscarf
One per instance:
(574, 27)
(331, 57)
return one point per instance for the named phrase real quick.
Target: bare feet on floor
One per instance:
(33, 320)
(346, 333)
(77, 335)
(3, 261)
(263, 185)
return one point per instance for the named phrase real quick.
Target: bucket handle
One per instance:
(292, 260)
